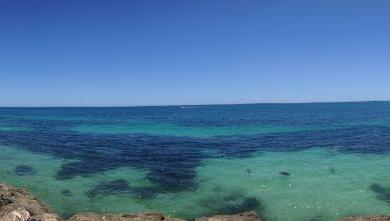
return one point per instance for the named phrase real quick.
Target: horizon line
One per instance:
(211, 104)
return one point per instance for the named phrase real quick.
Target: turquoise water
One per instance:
(288, 162)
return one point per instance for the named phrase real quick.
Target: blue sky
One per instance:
(124, 53)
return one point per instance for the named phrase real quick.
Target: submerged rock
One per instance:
(366, 218)
(122, 217)
(247, 216)
(19, 205)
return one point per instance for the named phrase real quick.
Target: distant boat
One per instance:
(186, 107)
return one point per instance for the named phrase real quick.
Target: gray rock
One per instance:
(19, 205)
(19, 214)
(366, 218)
(122, 217)
(247, 216)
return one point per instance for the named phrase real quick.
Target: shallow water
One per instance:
(289, 162)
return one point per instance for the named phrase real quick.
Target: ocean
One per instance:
(299, 162)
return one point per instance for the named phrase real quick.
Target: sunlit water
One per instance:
(288, 162)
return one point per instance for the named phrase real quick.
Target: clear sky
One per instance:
(160, 52)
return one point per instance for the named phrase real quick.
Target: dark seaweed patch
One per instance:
(317, 218)
(171, 161)
(284, 173)
(222, 202)
(249, 203)
(24, 170)
(120, 187)
(145, 192)
(382, 193)
(233, 205)
(66, 193)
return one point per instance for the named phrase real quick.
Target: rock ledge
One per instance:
(367, 218)
(247, 216)
(19, 205)
(122, 217)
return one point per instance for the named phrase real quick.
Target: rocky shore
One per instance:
(19, 205)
